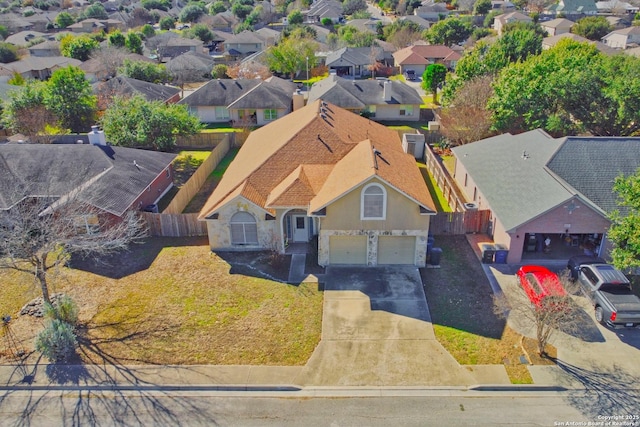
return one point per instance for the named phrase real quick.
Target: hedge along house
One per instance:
(536, 186)
(323, 171)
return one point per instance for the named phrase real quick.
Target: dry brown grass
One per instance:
(177, 303)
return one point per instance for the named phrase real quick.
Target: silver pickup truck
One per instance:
(610, 292)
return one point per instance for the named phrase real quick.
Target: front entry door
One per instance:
(300, 233)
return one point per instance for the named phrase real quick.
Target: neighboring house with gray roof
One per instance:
(420, 22)
(535, 185)
(377, 99)
(23, 38)
(364, 25)
(557, 26)
(33, 67)
(353, 61)
(242, 101)
(616, 6)
(191, 67)
(549, 42)
(126, 86)
(321, 9)
(244, 43)
(505, 19)
(270, 36)
(112, 179)
(432, 11)
(321, 32)
(46, 48)
(623, 39)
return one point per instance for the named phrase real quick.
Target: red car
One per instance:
(539, 282)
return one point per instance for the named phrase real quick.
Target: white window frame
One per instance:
(270, 114)
(222, 113)
(248, 226)
(384, 202)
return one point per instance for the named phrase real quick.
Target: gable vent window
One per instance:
(244, 230)
(374, 202)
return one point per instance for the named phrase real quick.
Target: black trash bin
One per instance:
(488, 252)
(436, 253)
(501, 254)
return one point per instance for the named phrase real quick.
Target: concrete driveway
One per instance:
(596, 358)
(376, 331)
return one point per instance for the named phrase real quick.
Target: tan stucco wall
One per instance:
(402, 219)
(220, 232)
(387, 112)
(402, 213)
(468, 190)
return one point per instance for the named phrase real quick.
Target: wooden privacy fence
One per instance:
(459, 222)
(174, 225)
(202, 140)
(192, 186)
(444, 180)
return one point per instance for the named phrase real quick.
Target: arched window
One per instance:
(374, 202)
(244, 230)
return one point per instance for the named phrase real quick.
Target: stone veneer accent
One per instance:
(420, 255)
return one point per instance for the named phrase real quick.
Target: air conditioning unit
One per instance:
(471, 206)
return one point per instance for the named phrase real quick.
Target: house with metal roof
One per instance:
(323, 172)
(573, 7)
(375, 99)
(535, 185)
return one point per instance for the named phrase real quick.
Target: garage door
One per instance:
(396, 249)
(348, 250)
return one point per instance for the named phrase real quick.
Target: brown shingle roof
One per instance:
(294, 159)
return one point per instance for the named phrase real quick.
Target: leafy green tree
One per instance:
(17, 79)
(219, 71)
(134, 42)
(241, 10)
(432, 77)
(202, 32)
(64, 19)
(351, 36)
(24, 110)
(488, 20)
(95, 11)
(69, 96)
(592, 27)
(624, 232)
(295, 17)
(217, 7)
(116, 38)
(8, 52)
(327, 22)
(4, 32)
(79, 47)
(290, 55)
(167, 23)
(136, 122)
(192, 12)
(146, 71)
(148, 31)
(482, 7)
(449, 31)
(156, 4)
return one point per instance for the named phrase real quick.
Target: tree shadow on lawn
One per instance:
(137, 258)
(260, 264)
(105, 387)
(458, 293)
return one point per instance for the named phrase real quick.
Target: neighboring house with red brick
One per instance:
(323, 171)
(535, 186)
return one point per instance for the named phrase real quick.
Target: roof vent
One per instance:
(525, 155)
(96, 136)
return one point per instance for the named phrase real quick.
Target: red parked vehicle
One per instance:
(539, 282)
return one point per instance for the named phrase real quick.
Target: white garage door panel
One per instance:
(348, 250)
(396, 249)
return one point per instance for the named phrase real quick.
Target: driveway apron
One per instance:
(377, 331)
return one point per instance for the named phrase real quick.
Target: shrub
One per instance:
(57, 341)
(64, 308)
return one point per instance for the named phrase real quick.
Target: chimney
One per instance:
(97, 137)
(298, 100)
(386, 91)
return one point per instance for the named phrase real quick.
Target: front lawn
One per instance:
(171, 301)
(461, 305)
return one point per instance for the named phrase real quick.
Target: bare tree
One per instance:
(467, 119)
(39, 233)
(404, 37)
(111, 58)
(550, 314)
(250, 70)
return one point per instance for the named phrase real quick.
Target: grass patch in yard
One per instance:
(436, 194)
(449, 163)
(182, 305)
(210, 183)
(461, 305)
